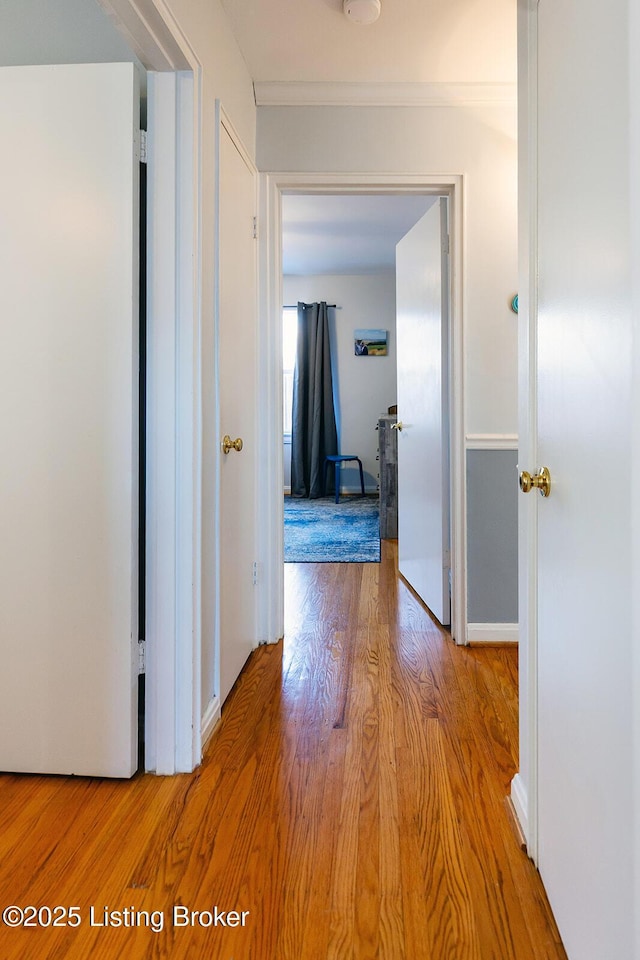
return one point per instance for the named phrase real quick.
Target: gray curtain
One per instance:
(313, 429)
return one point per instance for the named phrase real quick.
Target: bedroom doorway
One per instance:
(341, 249)
(275, 189)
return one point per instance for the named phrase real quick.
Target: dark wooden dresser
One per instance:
(388, 476)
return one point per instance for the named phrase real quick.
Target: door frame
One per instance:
(173, 735)
(271, 545)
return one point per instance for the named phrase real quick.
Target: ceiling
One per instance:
(308, 52)
(346, 234)
(299, 41)
(308, 43)
(413, 41)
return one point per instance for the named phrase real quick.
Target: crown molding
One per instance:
(293, 93)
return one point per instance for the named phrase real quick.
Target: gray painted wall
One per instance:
(63, 31)
(492, 536)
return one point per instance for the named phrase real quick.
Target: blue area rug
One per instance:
(322, 531)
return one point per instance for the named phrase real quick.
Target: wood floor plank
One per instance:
(344, 889)
(368, 825)
(351, 800)
(392, 931)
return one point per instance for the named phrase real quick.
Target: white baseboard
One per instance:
(492, 633)
(210, 720)
(520, 804)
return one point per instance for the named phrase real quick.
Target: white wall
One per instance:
(224, 77)
(474, 141)
(225, 74)
(479, 142)
(67, 31)
(365, 386)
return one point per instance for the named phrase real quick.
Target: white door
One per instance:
(69, 421)
(584, 710)
(238, 409)
(423, 424)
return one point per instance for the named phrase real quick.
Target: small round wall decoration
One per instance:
(514, 304)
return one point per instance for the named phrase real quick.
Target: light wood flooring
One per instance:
(352, 800)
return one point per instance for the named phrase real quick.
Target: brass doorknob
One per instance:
(229, 444)
(541, 481)
(397, 426)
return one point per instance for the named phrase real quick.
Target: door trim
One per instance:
(152, 33)
(173, 739)
(273, 186)
(524, 787)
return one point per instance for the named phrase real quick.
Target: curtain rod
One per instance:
(294, 306)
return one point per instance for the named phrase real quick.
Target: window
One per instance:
(289, 342)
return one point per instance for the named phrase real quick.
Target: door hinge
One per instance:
(143, 146)
(255, 228)
(446, 244)
(255, 572)
(142, 656)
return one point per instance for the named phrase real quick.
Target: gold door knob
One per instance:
(229, 444)
(397, 426)
(541, 481)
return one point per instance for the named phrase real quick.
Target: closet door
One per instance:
(69, 423)
(238, 386)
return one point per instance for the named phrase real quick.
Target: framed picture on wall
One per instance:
(370, 343)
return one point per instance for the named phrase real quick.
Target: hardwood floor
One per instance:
(352, 800)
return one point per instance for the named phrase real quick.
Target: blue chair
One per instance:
(337, 459)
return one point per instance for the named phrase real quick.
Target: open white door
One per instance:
(577, 352)
(237, 358)
(423, 424)
(69, 424)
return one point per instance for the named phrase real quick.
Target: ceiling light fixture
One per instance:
(362, 11)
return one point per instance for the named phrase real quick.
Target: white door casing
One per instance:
(173, 464)
(270, 585)
(174, 593)
(423, 401)
(69, 371)
(238, 404)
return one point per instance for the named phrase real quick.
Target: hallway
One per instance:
(352, 800)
